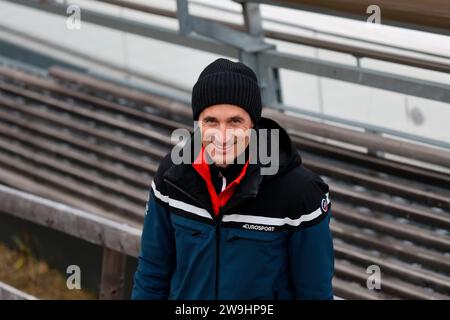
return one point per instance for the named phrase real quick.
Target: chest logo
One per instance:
(257, 227)
(324, 205)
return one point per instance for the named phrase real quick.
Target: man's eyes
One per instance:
(233, 121)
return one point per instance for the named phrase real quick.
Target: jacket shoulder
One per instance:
(311, 194)
(163, 166)
(307, 179)
(158, 179)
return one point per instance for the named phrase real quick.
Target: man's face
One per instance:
(225, 132)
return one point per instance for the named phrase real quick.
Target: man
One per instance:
(218, 228)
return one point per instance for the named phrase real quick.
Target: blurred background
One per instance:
(90, 92)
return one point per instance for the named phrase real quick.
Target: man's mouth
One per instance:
(223, 148)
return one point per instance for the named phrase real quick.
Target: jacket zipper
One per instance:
(217, 220)
(217, 226)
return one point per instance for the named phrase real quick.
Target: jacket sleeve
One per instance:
(311, 246)
(157, 258)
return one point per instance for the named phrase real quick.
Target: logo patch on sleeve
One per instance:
(324, 205)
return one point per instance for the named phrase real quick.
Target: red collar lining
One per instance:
(218, 201)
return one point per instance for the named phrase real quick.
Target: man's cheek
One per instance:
(209, 148)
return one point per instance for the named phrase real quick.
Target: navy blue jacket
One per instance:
(270, 241)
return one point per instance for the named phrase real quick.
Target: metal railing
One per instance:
(431, 15)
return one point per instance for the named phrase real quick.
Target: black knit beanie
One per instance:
(225, 81)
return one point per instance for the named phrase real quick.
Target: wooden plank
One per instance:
(27, 184)
(113, 275)
(393, 167)
(391, 246)
(409, 191)
(354, 291)
(78, 223)
(388, 226)
(414, 213)
(416, 275)
(53, 86)
(87, 114)
(79, 126)
(163, 104)
(54, 148)
(405, 149)
(82, 191)
(84, 144)
(43, 161)
(389, 285)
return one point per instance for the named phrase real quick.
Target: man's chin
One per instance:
(223, 160)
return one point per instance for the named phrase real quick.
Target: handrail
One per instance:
(75, 222)
(325, 32)
(430, 15)
(117, 239)
(356, 51)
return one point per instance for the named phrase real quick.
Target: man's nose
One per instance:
(225, 134)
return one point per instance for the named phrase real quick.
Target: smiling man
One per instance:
(220, 227)
(225, 132)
